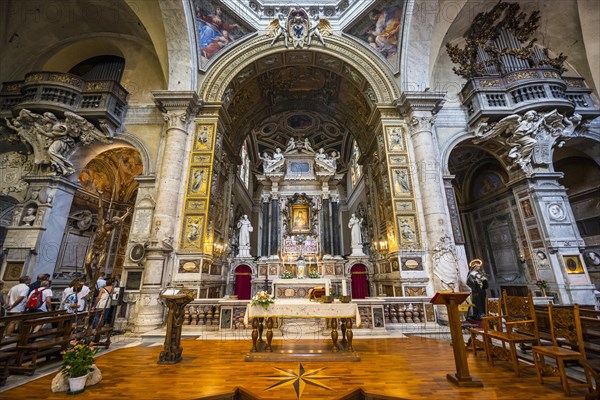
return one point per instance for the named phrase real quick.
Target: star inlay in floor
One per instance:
(298, 379)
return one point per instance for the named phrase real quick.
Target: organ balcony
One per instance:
(95, 100)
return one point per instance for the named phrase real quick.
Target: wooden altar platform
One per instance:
(411, 368)
(305, 351)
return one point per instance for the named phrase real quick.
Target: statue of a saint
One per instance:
(478, 283)
(354, 225)
(245, 228)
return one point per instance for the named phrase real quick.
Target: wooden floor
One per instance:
(411, 368)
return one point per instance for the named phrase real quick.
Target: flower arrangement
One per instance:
(78, 359)
(541, 284)
(286, 275)
(314, 275)
(263, 299)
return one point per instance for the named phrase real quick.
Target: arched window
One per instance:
(355, 168)
(245, 168)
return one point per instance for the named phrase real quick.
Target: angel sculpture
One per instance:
(521, 135)
(277, 29)
(52, 139)
(319, 27)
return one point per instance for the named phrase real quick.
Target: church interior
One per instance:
(256, 176)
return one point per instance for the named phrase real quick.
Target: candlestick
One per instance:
(327, 287)
(344, 288)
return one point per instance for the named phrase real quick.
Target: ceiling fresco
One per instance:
(216, 29)
(381, 30)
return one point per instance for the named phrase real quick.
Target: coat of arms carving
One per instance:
(298, 30)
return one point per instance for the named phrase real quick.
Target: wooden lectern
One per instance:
(176, 302)
(452, 300)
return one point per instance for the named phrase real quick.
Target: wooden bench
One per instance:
(45, 342)
(5, 358)
(18, 319)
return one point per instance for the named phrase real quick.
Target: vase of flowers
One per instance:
(263, 299)
(542, 285)
(77, 363)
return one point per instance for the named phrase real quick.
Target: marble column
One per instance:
(326, 227)
(335, 224)
(419, 109)
(274, 226)
(179, 108)
(265, 227)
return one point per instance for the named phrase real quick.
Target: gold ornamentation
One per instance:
(574, 82)
(551, 74)
(489, 82)
(521, 75)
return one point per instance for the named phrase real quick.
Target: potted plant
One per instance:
(77, 363)
(542, 285)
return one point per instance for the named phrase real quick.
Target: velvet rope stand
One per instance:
(176, 304)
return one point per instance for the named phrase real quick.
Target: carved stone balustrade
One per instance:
(98, 101)
(524, 90)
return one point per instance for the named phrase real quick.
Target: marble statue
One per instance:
(355, 235)
(277, 29)
(245, 228)
(445, 266)
(29, 216)
(53, 139)
(291, 145)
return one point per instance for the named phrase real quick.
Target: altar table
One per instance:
(303, 308)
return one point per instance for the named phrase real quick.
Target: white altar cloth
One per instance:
(303, 308)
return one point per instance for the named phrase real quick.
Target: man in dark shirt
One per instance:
(38, 282)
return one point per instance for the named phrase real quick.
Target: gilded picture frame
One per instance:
(300, 218)
(573, 264)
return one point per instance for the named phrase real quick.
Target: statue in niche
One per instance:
(245, 227)
(29, 216)
(355, 234)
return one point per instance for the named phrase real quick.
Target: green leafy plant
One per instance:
(314, 275)
(286, 275)
(541, 284)
(78, 359)
(263, 299)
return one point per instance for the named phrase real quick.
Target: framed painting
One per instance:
(13, 270)
(300, 219)
(573, 264)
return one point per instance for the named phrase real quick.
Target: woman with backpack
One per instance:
(40, 299)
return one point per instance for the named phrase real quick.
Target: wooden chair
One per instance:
(493, 312)
(520, 328)
(594, 383)
(565, 327)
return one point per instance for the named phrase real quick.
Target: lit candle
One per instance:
(327, 287)
(344, 289)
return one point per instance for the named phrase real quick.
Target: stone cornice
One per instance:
(410, 102)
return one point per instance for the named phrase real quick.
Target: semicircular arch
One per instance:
(231, 64)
